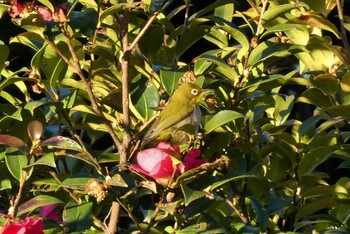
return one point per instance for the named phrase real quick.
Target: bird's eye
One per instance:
(194, 91)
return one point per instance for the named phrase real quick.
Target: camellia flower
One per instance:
(30, 225)
(49, 212)
(25, 8)
(159, 163)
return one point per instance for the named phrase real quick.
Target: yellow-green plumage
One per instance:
(182, 109)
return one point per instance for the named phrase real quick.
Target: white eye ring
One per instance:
(194, 91)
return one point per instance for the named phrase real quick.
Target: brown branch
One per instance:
(244, 219)
(12, 211)
(343, 31)
(253, 5)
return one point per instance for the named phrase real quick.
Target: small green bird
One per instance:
(181, 111)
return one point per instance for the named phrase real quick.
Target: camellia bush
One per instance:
(272, 152)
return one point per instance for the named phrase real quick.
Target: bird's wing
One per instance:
(165, 120)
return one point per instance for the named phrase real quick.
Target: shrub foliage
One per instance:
(274, 136)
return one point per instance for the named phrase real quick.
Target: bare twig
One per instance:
(19, 194)
(264, 7)
(343, 31)
(252, 4)
(242, 217)
(184, 26)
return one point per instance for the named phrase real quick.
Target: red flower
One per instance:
(28, 226)
(49, 212)
(190, 161)
(159, 162)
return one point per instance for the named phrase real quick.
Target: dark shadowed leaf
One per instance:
(78, 216)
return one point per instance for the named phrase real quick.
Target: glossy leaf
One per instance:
(154, 34)
(78, 216)
(220, 119)
(145, 99)
(3, 56)
(325, 82)
(170, 79)
(16, 161)
(61, 142)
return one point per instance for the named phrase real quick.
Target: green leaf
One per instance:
(61, 142)
(339, 111)
(191, 195)
(313, 158)
(261, 214)
(313, 207)
(316, 21)
(315, 97)
(3, 9)
(78, 216)
(273, 12)
(32, 23)
(154, 34)
(283, 28)
(31, 106)
(84, 22)
(345, 82)
(170, 78)
(37, 202)
(225, 12)
(16, 161)
(225, 69)
(144, 97)
(209, 8)
(115, 9)
(230, 177)
(45, 160)
(308, 124)
(220, 119)
(3, 55)
(191, 36)
(327, 83)
(270, 52)
(77, 183)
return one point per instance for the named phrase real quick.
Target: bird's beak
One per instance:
(207, 92)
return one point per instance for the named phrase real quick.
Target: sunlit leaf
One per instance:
(220, 119)
(326, 82)
(61, 142)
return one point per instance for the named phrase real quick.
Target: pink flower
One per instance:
(190, 161)
(49, 212)
(158, 163)
(155, 163)
(28, 226)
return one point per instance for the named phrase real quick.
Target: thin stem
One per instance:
(244, 219)
(343, 31)
(19, 194)
(264, 7)
(76, 68)
(253, 5)
(184, 26)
